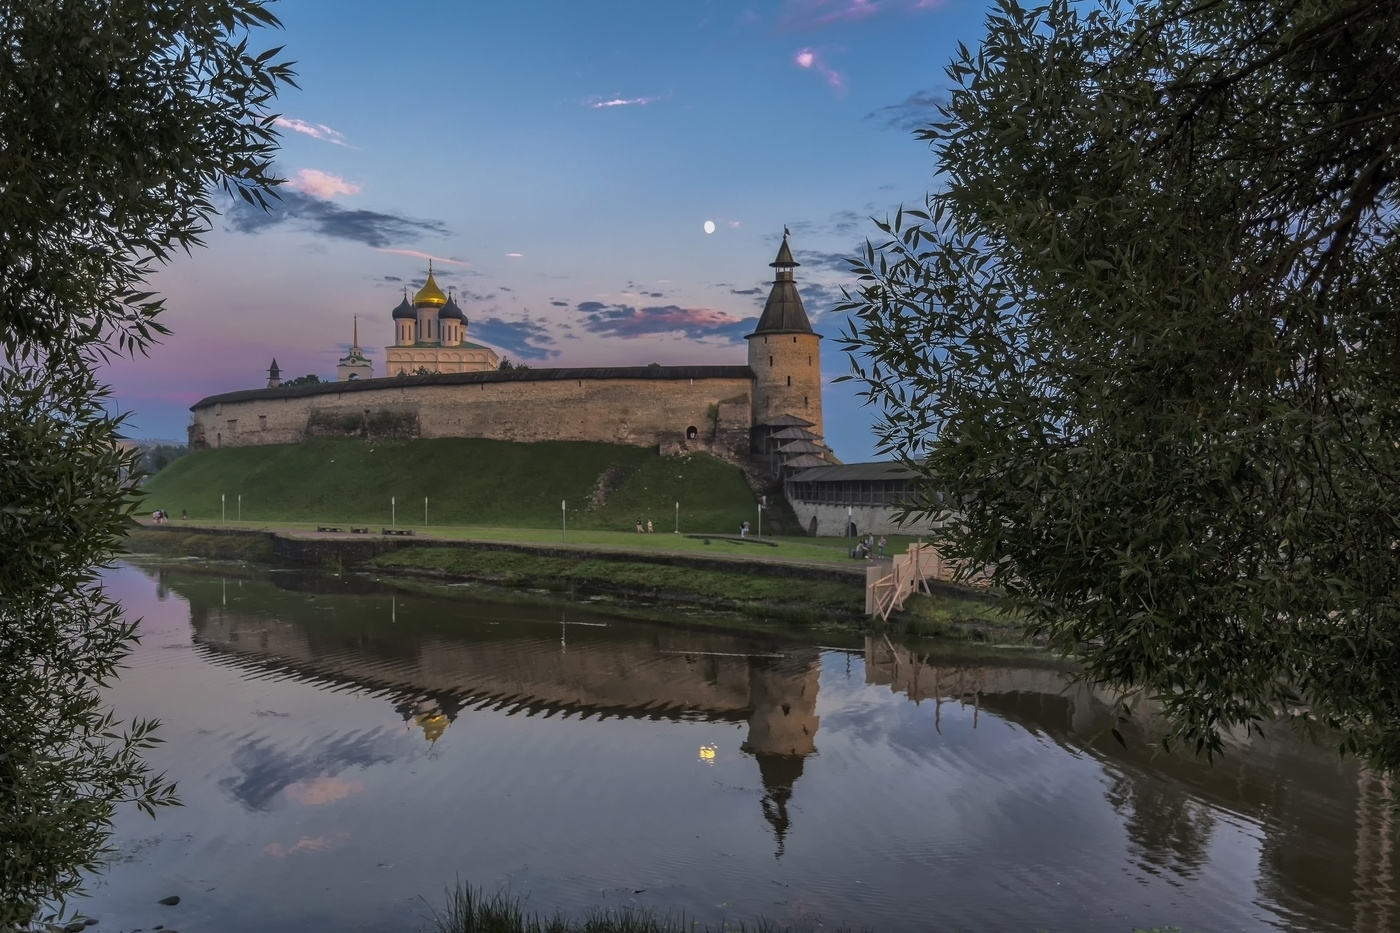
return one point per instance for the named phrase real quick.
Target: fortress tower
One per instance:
(784, 353)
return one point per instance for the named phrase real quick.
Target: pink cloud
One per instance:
(417, 255)
(809, 60)
(314, 130)
(599, 103)
(322, 184)
(306, 844)
(322, 790)
(818, 13)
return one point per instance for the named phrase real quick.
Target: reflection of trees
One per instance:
(1317, 861)
(1167, 828)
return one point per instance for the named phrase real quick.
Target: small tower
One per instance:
(354, 365)
(405, 323)
(274, 375)
(784, 353)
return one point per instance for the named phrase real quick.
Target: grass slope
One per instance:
(467, 481)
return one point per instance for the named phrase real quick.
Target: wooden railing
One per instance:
(888, 585)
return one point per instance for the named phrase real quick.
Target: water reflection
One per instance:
(894, 788)
(433, 678)
(1299, 794)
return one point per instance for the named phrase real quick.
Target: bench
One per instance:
(398, 531)
(327, 528)
(359, 531)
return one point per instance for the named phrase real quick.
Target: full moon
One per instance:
(709, 226)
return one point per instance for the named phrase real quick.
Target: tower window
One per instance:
(789, 380)
(794, 340)
(809, 359)
(804, 401)
(770, 361)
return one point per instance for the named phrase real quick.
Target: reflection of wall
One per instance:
(672, 672)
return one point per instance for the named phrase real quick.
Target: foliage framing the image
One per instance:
(1145, 337)
(119, 122)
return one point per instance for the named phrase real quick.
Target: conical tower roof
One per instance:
(783, 313)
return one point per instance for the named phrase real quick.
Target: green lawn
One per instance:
(466, 481)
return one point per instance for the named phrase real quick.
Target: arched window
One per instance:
(354, 376)
(789, 380)
(692, 432)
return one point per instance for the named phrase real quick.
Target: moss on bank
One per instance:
(779, 597)
(770, 597)
(255, 548)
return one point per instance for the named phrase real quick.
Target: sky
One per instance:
(559, 161)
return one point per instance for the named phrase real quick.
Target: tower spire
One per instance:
(355, 341)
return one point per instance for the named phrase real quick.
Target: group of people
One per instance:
(160, 516)
(868, 544)
(647, 530)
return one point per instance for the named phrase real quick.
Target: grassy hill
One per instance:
(467, 481)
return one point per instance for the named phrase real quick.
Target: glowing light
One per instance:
(707, 753)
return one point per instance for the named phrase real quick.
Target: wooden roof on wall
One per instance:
(644, 373)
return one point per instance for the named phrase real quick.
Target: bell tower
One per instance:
(784, 353)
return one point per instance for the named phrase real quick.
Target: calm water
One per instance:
(346, 752)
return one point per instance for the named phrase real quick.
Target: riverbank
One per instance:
(760, 584)
(469, 910)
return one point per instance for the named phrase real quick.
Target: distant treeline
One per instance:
(156, 457)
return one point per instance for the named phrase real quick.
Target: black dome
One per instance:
(451, 312)
(405, 310)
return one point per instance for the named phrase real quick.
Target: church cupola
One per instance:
(452, 323)
(274, 375)
(405, 323)
(784, 352)
(429, 300)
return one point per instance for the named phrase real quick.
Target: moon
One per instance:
(709, 226)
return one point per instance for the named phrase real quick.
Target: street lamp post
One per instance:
(678, 518)
(394, 513)
(425, 511)
(240, 506)
(223, 510)
(848, 531)
(564, 520)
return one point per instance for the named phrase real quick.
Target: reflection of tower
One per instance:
(431, 714)
(782, 729)
(1375, 850)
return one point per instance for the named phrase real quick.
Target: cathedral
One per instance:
(430, 336)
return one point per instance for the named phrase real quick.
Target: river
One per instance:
(346, 750)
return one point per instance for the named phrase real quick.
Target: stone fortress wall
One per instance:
(640, 406)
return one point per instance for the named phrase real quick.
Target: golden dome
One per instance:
(429, 295)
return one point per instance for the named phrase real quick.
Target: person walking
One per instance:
(650, 530)
(882, 545)
(639, 526)
(744, 530)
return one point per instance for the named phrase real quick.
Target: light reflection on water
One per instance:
(346, 752)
